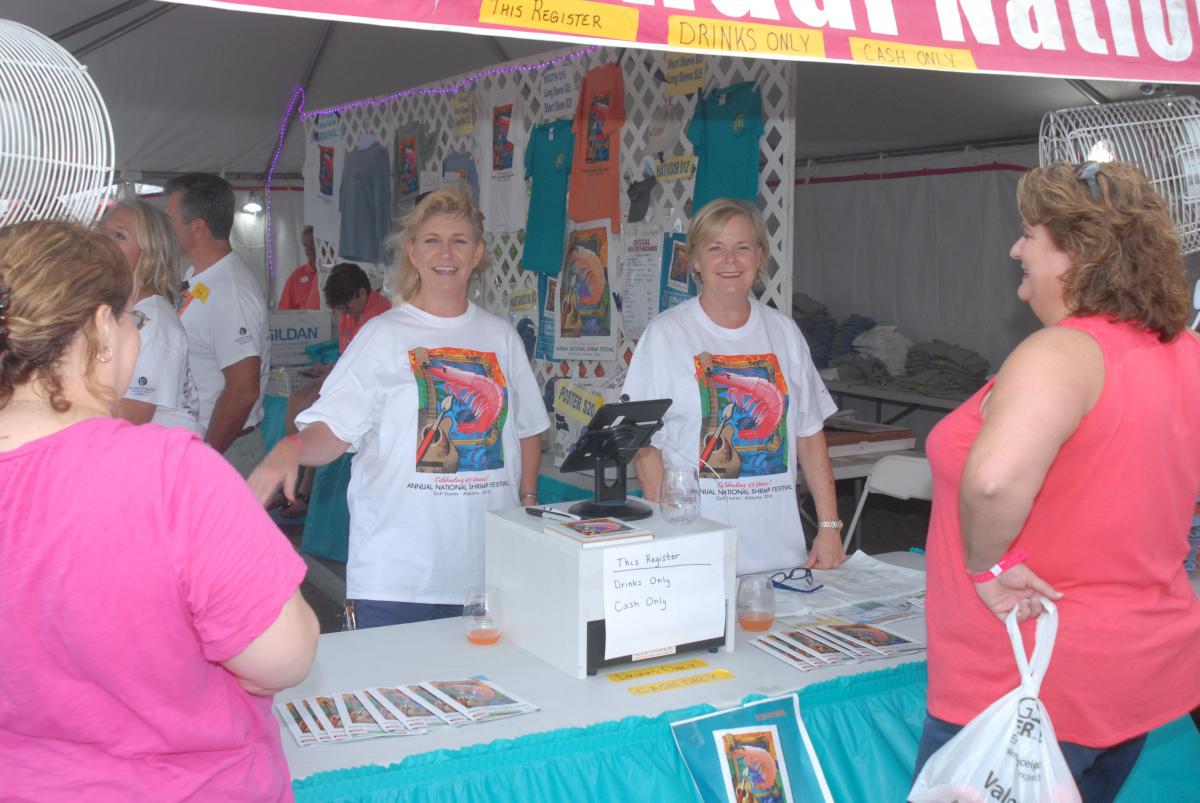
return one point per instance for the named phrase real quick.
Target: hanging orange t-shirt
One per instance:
(594, 190)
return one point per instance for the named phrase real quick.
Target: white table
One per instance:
(439, 650)
(900, 398)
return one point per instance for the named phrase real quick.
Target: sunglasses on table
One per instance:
(802, 577)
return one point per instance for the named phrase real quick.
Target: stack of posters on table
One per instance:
(406, 710)
(821, 643)
(758, 752)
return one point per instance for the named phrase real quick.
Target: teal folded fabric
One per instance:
(273, 422)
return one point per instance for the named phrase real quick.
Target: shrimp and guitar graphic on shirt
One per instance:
(463, 398)
(743, 405)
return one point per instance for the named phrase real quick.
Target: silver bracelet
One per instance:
(832, 524)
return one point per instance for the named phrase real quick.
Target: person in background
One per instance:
(347, 292)
(1072, 475)
(437, 398)
(162, 389)
(300, 291)
(150, 607)
(224, 313)
(745, 395)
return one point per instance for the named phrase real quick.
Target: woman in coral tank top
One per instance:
(1073, 475)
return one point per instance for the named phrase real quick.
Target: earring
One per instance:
(105, 355)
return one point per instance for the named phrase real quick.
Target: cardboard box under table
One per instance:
(553, 595)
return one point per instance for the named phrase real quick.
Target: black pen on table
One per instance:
(551, 513)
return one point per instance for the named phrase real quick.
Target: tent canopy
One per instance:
(196, 88)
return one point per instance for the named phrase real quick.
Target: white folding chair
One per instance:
(897, 475)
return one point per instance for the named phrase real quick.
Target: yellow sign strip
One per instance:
(744, 37)
(579, 17)
(898, 54)
(661, 669)
(576, 402)
(682, 683)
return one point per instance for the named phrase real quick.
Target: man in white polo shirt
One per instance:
(224, 313)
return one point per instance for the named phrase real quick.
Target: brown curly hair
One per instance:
(1124, 248)
(58, 275)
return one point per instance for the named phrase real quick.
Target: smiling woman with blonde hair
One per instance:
(437, 398)
(748, 404)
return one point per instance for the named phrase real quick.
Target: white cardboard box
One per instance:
(550, 587)
(292, 330)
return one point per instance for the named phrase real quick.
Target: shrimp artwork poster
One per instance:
(587, 317)
(752, 765)
(743, 404)
(462, 407)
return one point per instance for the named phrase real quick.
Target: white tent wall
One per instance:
(287, 224)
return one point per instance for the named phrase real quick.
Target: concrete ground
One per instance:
(888, 525)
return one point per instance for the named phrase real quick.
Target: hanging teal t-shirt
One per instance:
(548, 163)
(725, 130)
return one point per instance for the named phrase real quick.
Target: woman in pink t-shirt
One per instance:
(1072, 476)
(150, 608)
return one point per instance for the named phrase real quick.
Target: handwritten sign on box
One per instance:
(663, 593)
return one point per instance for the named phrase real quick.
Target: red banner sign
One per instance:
(1126, 40)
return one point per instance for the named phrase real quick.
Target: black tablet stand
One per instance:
(611, 439)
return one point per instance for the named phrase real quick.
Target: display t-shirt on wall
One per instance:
(500, 133)
(548, 163)
(595, 172)
(462, 165)
(412, 149)
(725, 130)
(366, 202)
(324, 160)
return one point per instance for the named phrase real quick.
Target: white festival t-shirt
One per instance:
(162, 375)
(225, 316)
(744, 395)
(500, 132)
(460, 389)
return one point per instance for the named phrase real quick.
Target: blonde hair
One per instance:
(1123, 245)
(707, 224)
(453, 200)
(58, 274)
(157, 270)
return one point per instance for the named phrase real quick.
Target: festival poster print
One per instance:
(463, 403)
(752, 765)
(408, 166)
(586, 325)
(743, 408)
(502, 147)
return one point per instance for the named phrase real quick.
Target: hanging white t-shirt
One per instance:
(435, 409)
(162, 375)
(742, 396)
(324, 156)
(500, 132)
(224, 314)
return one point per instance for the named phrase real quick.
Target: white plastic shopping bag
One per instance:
(1008, 753)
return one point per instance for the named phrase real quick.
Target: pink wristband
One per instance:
(296, 439)
(1004, 564)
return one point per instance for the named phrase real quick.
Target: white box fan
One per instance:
(1160, 135)
(56, 141)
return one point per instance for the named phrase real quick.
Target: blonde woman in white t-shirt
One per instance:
(437, 399)
(162, 390)
(748, 404)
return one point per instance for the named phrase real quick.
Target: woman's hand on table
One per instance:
(1019, 587)
(279, 468)
(827, 550)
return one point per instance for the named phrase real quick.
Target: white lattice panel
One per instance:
(643, 73)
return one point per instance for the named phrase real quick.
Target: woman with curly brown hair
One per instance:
(1072, 475)
(149, 608)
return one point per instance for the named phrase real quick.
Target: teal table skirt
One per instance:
(865, 728)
